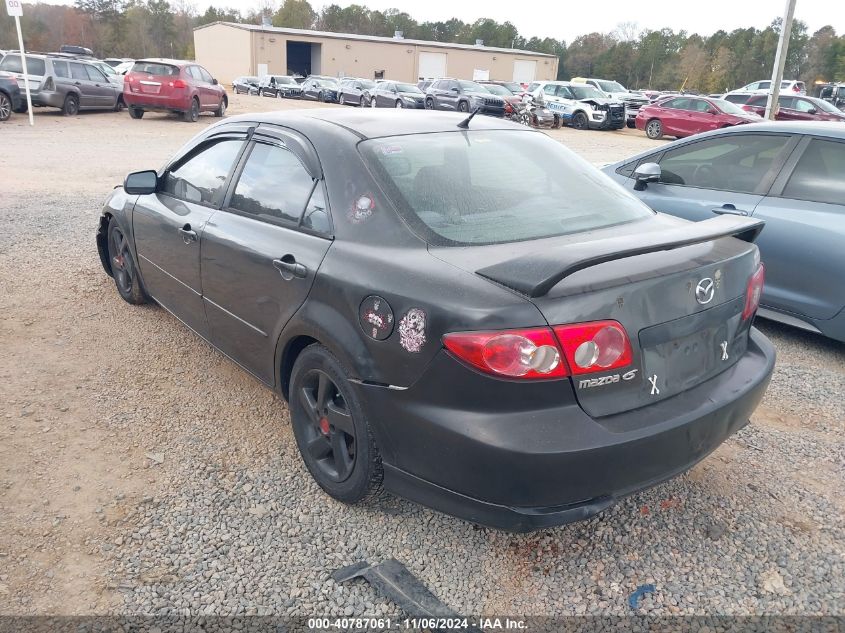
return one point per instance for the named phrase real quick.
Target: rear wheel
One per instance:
(5, 106)
(654, 129)
(193, 115)
(136, 113)
(123, 268)
(372, 102)
(580, 121)
(120, 105)
(331, 430)
(71, 105)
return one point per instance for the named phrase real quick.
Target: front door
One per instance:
(102, 90)
(168, 227)
(258, 262)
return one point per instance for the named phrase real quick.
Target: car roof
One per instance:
(165, 60)
(368, 123)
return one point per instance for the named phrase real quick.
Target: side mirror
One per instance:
(214, 81)
(713, 111)
(141, 183)
(812, 111)
(456, 89)
(646, 173)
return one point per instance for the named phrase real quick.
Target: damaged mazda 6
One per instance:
(458, 310)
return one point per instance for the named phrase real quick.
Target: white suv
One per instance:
(580, 105)
(763, 87)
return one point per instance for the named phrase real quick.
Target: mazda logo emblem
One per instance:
(705, 290)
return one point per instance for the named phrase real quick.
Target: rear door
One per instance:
(88, 96)
(168, 226)
(805, 230)
(674, 116)
(729, 173)
(261, 252)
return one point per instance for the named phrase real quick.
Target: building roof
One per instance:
(373, 38)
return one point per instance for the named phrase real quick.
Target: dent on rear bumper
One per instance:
(519, 470)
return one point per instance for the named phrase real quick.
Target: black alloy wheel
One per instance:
(123, 266)
(5, 106)
(331, 430)
(580, 121)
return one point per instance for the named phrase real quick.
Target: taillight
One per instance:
(555, 352)
(795, 88)
(178, 83)
(531, 353)
(594, 346)
(753, 292)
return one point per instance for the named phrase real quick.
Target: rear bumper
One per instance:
(487, 458)
(157, 102)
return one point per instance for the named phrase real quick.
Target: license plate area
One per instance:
(683, 353)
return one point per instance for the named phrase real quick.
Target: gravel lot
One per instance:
(141, 472)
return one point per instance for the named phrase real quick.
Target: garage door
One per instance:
(432, 65)
(524, 71)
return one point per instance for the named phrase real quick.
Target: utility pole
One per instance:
(780, 59)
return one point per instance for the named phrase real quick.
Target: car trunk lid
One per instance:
(678, 289)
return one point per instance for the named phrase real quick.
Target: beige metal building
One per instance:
(229, 50)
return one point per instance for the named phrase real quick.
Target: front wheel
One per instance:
(193, 115)
(580, 121)
(123, 269)
(237, 92)
(654, 129)
(372, 102)
(463, 106)
(399, 104)
(362, 102)
(331, 430)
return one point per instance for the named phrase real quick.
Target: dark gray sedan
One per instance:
(792, 176)
(355, 91)
(396, 94)
(517, 342)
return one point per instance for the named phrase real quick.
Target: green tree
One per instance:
(295, 14)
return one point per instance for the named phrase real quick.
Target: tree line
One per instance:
(659, 59)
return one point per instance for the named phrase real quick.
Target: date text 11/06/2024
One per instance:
(448, 624)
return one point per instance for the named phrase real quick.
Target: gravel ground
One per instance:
(143, 473)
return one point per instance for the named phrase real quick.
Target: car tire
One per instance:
(192, 115)
(463, 106)
(654, 129)
(362, 102)
(429, 104)
(580, 121)
(5, 107)
(321, 96)
(136, 113)
(221, 111)
(399, 104)
(630, 124)
(331, 430)
(120, 104)
(123, 268)
(71, 105)
(373, 102)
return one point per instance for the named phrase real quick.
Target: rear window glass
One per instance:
(455, 188)
(152, 68)
(61, 69)
(12, 64)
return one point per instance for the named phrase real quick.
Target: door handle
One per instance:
(289, 268)
(188, 235)
(729, 209)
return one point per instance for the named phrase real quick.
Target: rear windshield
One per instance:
(492, 187)
(727, 107)
(155, 68)
(12, 64)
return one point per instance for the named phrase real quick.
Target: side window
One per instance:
(201, 177)
(206, 76)
(564, 92)
(194, 72)
(763, 85)
(818, 175)
(728, 163)
(550, 89)
(802, 105)
(61, 69)
(316, 216)
(676, 104)
(94, 74)
(78, 71)
(273, 185)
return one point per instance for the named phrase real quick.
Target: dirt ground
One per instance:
(90, 388)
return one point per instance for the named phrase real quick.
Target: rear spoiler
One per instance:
(536, 274)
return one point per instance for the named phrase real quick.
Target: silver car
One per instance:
(67, 83)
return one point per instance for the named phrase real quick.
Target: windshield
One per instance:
(284, 80)
(153, 68)
(728, 108)
(471, 86)
(611, 86)
(498, 90)
(12, 63)
(585, 92)
(329, 83)
(105, 68)
(455, 189)
(367, 83)
(408, 88)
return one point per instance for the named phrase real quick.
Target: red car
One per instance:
(686, 115)
(173, 86)
(797, 109)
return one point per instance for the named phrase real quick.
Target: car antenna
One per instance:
(464, 125)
